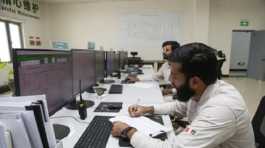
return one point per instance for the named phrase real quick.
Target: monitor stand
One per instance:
(74, 105)
(61, 131)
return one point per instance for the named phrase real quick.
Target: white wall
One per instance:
(225, 16)
(78, 23)
(30, 26)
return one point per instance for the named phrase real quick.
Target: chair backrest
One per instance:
(258, 123)
(221, 59)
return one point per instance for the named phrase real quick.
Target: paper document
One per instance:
(143, 85)
(14, 123)
(143, 125)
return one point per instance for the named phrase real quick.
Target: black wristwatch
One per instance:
(124, 133)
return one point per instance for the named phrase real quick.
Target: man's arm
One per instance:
(171, 107)
(160, 73)
(211, 128)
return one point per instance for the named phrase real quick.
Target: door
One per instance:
(240, 50)
(257, 56)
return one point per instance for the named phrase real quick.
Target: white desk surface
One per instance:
(148, 93)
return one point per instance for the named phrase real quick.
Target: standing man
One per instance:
(216, 111)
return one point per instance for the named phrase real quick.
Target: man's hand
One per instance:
(166, 92)
(133, 79)
(118, 127)
(138, 110)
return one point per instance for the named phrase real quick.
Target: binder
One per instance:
(3, 143)
(38, 105)
(14, 123)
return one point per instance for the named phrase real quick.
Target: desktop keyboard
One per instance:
(116, 89)
(96, 134)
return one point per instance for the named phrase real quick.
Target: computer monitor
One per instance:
(110, 55)
(84, 69)
(100, 65)
(41, 71)
(84, 74)
(123, 59)
(116, 62)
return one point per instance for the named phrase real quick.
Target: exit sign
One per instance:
(244, 23)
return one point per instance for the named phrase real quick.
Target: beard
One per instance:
(184, 93)
(165, 56)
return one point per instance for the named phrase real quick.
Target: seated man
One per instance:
(164, 71)
(216, 111)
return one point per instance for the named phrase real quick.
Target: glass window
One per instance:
(15, 35)
(10, 37)
(4, 46)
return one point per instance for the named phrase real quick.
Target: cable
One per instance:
(69, 117)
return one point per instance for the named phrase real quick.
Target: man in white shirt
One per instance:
(216, 111)
(164, 71)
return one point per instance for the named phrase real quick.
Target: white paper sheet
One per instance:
(143, 85)
(143, 124)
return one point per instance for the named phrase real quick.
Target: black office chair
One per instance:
(258, 123)
(221, 59)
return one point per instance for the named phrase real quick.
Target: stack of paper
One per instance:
(143, 125)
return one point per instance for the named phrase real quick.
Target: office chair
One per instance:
(221, 59)
(258, 123)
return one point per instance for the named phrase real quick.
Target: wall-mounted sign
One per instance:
(31, 41)
(28, 8)
(60, 45)
(38, 41)
(91, 45)
(244, 23)
(34, 41)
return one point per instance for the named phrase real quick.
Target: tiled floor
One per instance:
(252, 90)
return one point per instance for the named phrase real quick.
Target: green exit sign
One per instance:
(244, 23)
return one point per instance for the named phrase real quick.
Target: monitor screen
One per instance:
(110, 62)
(100, 65)
(123, 59)
(116, 64)
(84, 69)
(46, 72)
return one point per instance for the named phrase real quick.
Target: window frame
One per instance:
(19, 24)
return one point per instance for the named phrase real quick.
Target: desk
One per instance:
(148, 92)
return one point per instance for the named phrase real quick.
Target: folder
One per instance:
(2, 136)
(31, 126)
(14, 123)
(38, 105)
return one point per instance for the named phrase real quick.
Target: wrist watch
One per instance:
(124, 133)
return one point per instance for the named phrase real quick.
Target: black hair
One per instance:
(174, 44)
(197, 59)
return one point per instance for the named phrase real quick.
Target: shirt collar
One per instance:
(209, 92)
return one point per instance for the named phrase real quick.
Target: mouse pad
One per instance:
(156, 118)
(111, 107)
